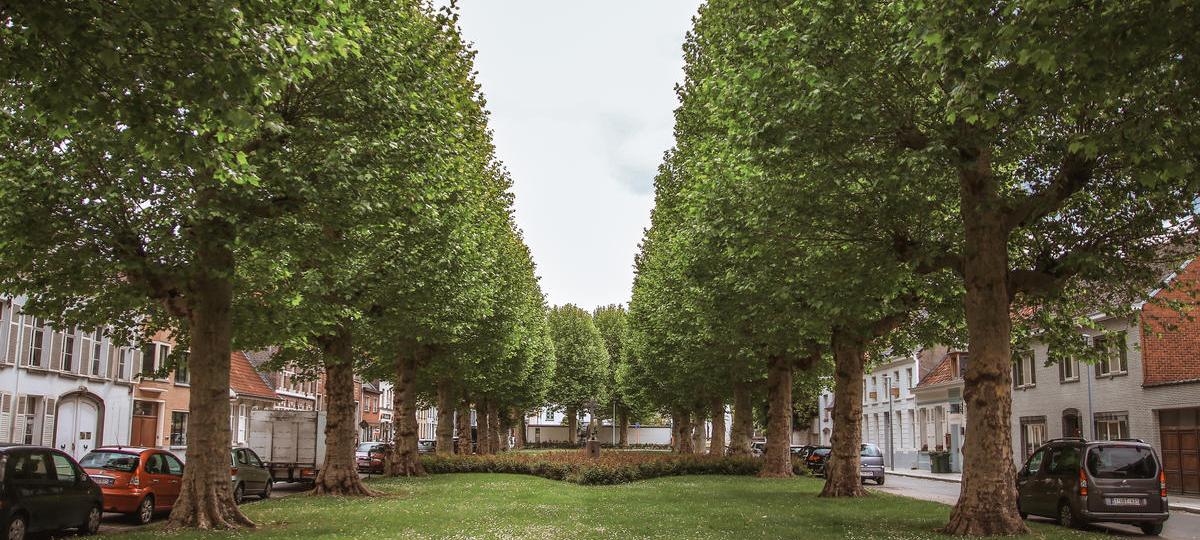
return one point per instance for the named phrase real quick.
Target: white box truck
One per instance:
(291, 443)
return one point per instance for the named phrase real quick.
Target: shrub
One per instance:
(609, 468)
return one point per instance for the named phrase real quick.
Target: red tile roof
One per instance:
(244, 379)
(942, 373)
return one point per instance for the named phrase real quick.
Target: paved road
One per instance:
(119, 522)
(1181, 526)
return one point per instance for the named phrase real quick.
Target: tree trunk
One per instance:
(573, 426)
(445, 420)
(987, 502)
(483, 427)
(700, 436)
(623, 426)
(462, 425)
(743, 421)
(778, 463)
(405, 459)
(494, 428)
(717, 446)
(842, 468)
(205, 495)
(683, 433)
(339, 474)
(521, 430)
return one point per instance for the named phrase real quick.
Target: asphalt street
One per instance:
(1181, 525)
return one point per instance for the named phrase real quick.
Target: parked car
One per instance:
(248, 474)
(801, 452)
(816, 459)
(758, 448)
(1076, 482)
(45, 490)
(370, 456)
(137, 482)
(426, 446)
(871, 464)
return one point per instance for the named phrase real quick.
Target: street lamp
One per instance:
(887, 380)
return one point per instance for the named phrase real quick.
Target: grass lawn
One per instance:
(510, 506)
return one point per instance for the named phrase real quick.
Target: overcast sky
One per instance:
(582, 96)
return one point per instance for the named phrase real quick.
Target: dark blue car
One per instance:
(45, 490)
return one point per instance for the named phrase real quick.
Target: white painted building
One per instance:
(72, 390)
(891, 418)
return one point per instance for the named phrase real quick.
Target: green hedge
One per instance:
(610, 468)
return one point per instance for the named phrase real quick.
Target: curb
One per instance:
(1174, 507)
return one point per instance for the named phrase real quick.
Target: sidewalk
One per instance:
(1178, 503)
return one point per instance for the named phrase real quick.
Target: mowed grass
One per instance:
(500, 506)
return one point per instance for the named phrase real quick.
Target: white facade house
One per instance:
(72, 390)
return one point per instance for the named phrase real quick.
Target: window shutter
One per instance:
(19, 432)
(1124, 353)
(113, 351)
(5, 416)
(137, 362)
(1032, 369)
(1062, 369)
(48, 423)
(55, 360)
(14, 336)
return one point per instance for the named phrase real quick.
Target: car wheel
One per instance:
(239, 494)
(879, 481)
(1066, 516)
(266, 492)
(1152, 529)
(17, 527)
(145, 511)
(92, 525)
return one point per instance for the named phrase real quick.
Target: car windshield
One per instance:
(367, 447)
(113, 461)
(822, 451)
(1122, 462)
(870, 450)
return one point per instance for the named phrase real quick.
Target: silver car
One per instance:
(872, 464)
(248, 474)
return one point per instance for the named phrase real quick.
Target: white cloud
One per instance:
(582, 95)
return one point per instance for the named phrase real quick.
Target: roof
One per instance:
(257, 359)
(942, 373)
(370, 387)
(245, 381)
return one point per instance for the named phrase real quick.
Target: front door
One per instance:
(1180, 435)
(145, 424)
(77, 423)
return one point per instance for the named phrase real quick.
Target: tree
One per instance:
(134, 177)
(581, 363)
(613, 325)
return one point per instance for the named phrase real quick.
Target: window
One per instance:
(85, 351)
(124, 360)
(1035, 463)
(908, 381)
(68, 353)
(28, 466)
(36, 338)
(1122, 462)
(174, 467)
(1114, 359)
(1033, 433)
(156, 465)
(1064, 461)
(64, 469)
(179, 428)
(97, 365)
(1111, 426)
(182, 376)
(1068, 370)
(153, 358)
(1024, 370)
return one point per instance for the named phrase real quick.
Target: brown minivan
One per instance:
(1078, 481)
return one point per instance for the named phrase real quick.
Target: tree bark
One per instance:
(405, 460)
(339, 474)
(700, 435)
(743, 421)
(987, 502)
(573, 426)
(623, 426)
(483, 427)
(205, 495)
(842, 468)
(445, 421)
(462, 426)
(494, 428)
(522, 429)
(717, 445)
(778, 463)
(683, 433)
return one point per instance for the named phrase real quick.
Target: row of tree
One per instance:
(317, 177)
(853, 178)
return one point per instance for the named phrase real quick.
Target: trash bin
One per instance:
(939, 462)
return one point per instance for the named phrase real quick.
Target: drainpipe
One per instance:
(1091, 416)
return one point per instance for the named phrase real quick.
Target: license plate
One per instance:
(103, 481)
(1125, 501)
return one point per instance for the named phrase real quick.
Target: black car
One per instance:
(801, 452)
(45, 490)
(816, 459)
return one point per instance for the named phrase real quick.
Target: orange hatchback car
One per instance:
(135, 481)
